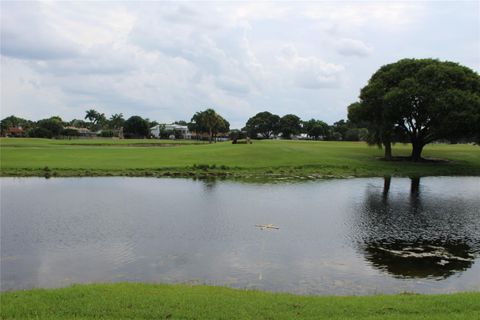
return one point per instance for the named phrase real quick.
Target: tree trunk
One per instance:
(210, 136)
(417, 148)
(386, 186)
(415, 194)
(388, 150)
(414, 186)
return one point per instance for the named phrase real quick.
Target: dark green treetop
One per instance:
(264, 123)
(424, 99)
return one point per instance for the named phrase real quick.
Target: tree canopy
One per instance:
(371, 116)
(423, 99)
(13, 122)
(264, 124)
(116, 121)
(47, 128)
(136, 127)
(97, 119)
(290, 124)
(210, 122)
(316, 128)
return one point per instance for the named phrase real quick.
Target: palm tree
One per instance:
(116, 121)
(209, 121)
(101, 120)
(92, 115)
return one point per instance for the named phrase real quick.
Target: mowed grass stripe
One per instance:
(325, 157)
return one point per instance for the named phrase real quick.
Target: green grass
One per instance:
(149, 301)
(307, 159)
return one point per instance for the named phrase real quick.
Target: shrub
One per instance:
(106, 133)
(40, 133)
(70, 132)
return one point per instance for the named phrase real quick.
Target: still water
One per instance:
(355, 236)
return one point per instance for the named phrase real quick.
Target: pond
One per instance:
(352, 236)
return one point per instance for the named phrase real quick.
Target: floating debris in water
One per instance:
(266, 226)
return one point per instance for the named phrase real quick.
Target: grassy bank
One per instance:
(266, 159)
(146, 301)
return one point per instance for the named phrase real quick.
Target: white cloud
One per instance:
(26, 94)
(100, 60)
(310, 72)
(86, 25)
(26, 35)
(349, 16)
(351, 47)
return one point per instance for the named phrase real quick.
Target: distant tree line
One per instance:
(265, 125)
(207, 124)
(96, 123)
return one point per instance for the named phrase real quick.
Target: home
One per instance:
(172, 130)
(15, 132)
(82, 132)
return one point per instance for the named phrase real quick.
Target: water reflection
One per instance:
(403, 235)
(422, 259)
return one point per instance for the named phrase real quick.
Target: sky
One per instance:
(166, 60)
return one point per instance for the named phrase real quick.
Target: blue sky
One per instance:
(166, 60)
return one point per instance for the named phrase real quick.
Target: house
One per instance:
(170, 130)
(82, 132)
(15, 132)
(301, 136)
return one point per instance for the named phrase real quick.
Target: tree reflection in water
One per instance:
(422, 259)
(413, 236)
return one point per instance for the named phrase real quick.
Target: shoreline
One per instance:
(274, 175)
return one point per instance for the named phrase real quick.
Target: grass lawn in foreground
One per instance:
(29, 157)
(148, 301)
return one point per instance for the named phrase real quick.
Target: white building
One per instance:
(171, 128)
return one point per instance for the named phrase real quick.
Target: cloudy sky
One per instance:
(166, 60)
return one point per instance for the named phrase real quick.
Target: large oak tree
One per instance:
(425, 99)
